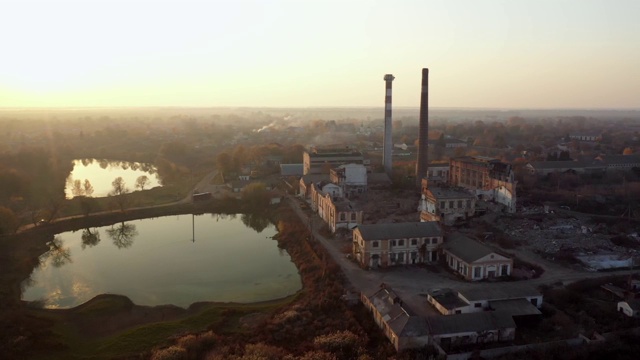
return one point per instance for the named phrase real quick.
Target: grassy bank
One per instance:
(315, 321)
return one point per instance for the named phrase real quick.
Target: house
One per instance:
(450, 332)
(451, 143)
(438, 173)
(318, 160)
(338, 213)
(620, 162)
(544, 168)
(630, 308)
(238, 185)
(585, 137)
(376, 245)
(404, 329)
(446, 205)
(352, 178)
(307, 180)
(324, 189)
(488, 178)
(494, 297)
(515, 301)
(473, 260)
(291, 169)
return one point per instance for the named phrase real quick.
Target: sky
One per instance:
(307, 53)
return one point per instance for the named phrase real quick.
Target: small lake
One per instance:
(157, 261)
(101, 173)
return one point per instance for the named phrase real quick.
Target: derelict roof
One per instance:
(515, 307)
(400, 319)
(400, 230)
(499, 293)
(447, 298)
(465, 248)
(291, 169)
(314, 178)
(443, 193)
(469, 322)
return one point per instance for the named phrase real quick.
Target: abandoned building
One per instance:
(446, 205)
(488, 178)
(382, 245)
(318, 160)
(473, 260)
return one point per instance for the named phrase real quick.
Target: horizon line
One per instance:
(19, 108)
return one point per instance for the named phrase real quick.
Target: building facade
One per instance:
(473, 260)
(382, 245)
(320, 160)
(489, 178)
(446, 206)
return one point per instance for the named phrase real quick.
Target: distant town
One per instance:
(518, 234)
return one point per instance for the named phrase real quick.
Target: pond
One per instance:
(169, 260)
(101, 173)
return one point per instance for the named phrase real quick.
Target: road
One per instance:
(412, 282)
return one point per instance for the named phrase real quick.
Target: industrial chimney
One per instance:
(388, 140)
(422, 165)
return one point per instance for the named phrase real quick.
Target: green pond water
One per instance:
(169, 260)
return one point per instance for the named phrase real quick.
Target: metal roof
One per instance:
(515, 307)
(493, 293)
(469, 322)
(400, 230)
(465, 248)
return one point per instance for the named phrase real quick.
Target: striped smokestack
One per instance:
(388, 140)
(422, 164)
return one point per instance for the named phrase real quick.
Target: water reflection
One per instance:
(256, 221)
(122, 235)
(90, 238)
(229, 262)
(91, 177)
(58, 255)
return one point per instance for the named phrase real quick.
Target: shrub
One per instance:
(170, 353)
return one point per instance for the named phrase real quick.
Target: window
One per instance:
(343, 217)
(477, 272)
(414, 242)
(393, 243)
(458, 311)
(441, 204)
(374, 244)
(400, 242)
(353, 216)
(534, 301)
(459, 203)
(450, 204)
(434, 241)
(392, 257)
(477, 305)
(401, 257)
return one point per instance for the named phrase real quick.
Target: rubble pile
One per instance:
(553, 234)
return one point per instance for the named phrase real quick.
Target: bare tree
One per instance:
(141, 182)
(120, 192)
(88, 188)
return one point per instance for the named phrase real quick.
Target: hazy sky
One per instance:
(497, 54)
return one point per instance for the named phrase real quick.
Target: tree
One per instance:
(255, 221)
(119, 192)
(8, 221)
(76, 188)
(88, 205)
(123, 235)
(58, 254)
(90, 238)
(223, 162)
(141, 182)
(255, 195)
(88, 188)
